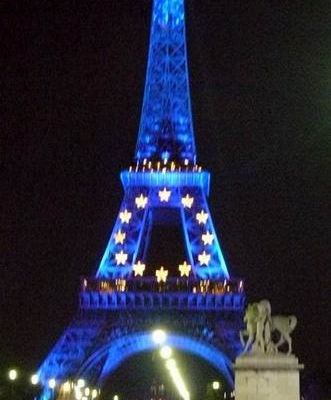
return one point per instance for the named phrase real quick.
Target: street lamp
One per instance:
(81, 383)
(159, 336)
(116, 397)
(34, 379)
(216, 385)
(12, 374)
(166, 352)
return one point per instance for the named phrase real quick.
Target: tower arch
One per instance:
(110, 356)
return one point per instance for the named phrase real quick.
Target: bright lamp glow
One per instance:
(78, 394)
(66, 387)
(116, 397)
(177, 379)
(94, 393)
(216, 385)
(12, 374)
(166, 352)
(159, 336)
(171, 364)
(81, 383)
(52, 383)
(34, 379)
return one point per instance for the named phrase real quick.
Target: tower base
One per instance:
(267, 377)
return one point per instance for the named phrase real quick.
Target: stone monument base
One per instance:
(267, 377)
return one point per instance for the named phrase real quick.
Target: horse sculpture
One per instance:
(260, 325)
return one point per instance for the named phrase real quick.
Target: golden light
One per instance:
(185, 269)
(120, 237)
(66, 387)
(141, 201)
(125, 216)
(164, 195)
(121, 258)
(139, 268)
(207, 238)
(202, 217)
(161, 275)
(187, 201)
(204, 258)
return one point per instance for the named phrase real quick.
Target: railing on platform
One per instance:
(175, 293)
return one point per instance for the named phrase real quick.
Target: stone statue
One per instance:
(259, 327)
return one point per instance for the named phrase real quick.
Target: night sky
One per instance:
(72, 78)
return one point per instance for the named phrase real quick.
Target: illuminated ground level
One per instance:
(132, 380)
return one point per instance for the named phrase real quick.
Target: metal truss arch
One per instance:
(110, 356)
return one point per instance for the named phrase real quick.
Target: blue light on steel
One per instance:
(113, 354)
(166, 128)
(149, 184)
(100, 338)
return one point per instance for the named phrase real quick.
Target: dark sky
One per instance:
(72, 76)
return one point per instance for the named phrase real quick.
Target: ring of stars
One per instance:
(184, 269)
(125, 216)
(139, 268)
(161, 275)
(164, 195)
(141, 201)
(121, 258)
(187, 201)
(204, 258)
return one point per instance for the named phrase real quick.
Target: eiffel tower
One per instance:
(196, 302)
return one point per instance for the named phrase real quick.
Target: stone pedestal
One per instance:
(267, 377)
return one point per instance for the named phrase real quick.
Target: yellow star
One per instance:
(184, 269)
(202, 217)
(141, 201)
(204, 258)
(187, 201)
(139, 268)
(164, 195)
(207, 238)
(161, 274)
(125, 216)
(120, 237)
(121, 258)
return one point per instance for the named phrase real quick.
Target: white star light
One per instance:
(207, 238)
(121, 258)
(125, 216)
(161, 275)
(202, 217)
(139, 268)
(184, 269)
(187, 201)
(204, 258)
(120, 237)
(141, 201)
(164, 195)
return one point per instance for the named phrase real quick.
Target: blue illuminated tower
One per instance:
(197, 302)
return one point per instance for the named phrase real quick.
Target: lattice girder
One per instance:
(202, 249)
(117, 336)
(166, 128)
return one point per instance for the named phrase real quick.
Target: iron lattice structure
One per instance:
(166, 129)
(197, 302)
